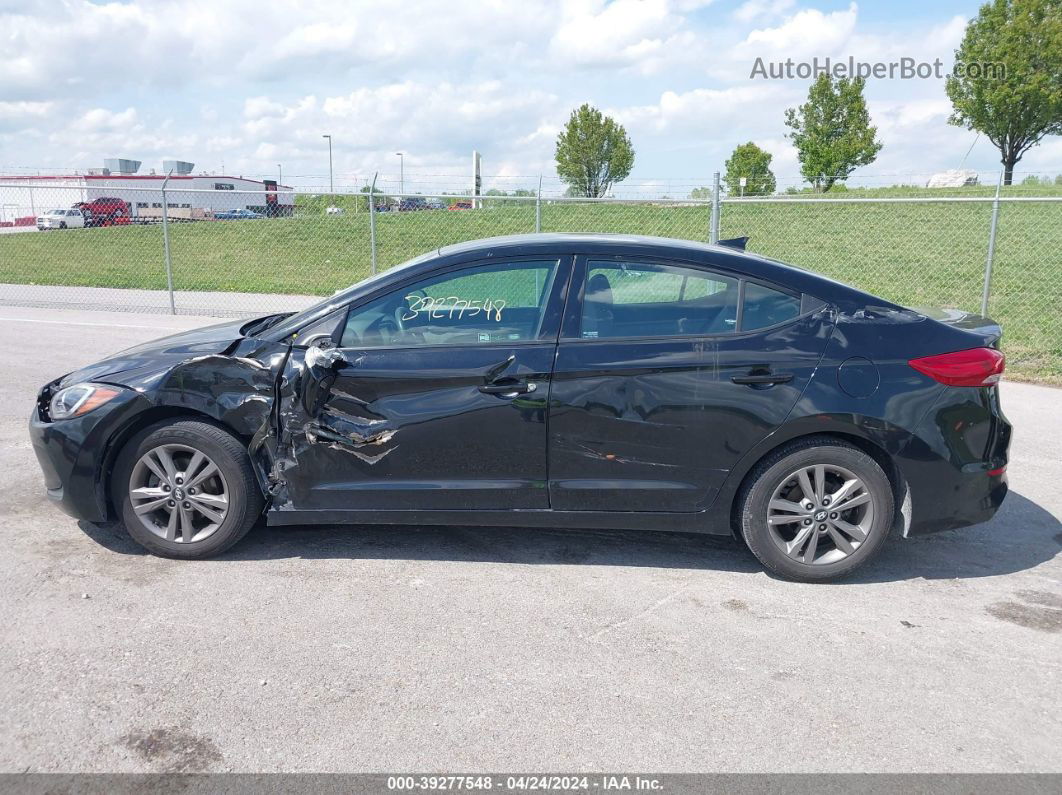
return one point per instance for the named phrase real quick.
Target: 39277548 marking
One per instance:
(439, 783)
(524, 783)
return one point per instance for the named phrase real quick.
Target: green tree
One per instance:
(593, 152)
(832, 131)
(1007, 80)
(754, 164)
(363, 202)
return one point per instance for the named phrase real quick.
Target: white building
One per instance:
(24, 197)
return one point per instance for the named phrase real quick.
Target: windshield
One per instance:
(322, 307)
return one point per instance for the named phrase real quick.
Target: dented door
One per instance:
(666, 374)
(457, 421)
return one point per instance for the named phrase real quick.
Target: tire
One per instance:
(815, 544)
(62, 224)
(214, 508)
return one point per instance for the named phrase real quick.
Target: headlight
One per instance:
(80, 399)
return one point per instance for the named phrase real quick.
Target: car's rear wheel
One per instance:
(186, 489)
(816, 509)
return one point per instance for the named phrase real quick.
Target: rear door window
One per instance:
(640, 299)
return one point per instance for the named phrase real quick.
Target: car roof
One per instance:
(604, 243)
(748, 263)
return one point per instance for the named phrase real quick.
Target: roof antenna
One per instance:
(735, 242)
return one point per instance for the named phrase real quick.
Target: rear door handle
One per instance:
(508, 389)
(763, 378)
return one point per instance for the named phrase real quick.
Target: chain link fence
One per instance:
(195, 252)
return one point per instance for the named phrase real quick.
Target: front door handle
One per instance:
(508, 389)
(763, 378)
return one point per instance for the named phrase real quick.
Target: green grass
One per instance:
(914, 254)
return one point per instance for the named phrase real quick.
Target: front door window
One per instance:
(501, 303)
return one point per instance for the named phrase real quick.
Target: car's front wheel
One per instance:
(816, 509)
(185, 489)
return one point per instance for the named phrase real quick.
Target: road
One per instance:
(185, 302)
(396, 649)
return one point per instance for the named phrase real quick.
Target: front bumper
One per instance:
(74, 454)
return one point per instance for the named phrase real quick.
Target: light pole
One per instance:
(331, 186)
(401, 172)
(280, 175)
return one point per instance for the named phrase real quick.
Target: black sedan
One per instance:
(550, 380)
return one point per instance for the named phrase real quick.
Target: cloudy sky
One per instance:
(245, 85)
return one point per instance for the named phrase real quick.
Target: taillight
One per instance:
(974, 367)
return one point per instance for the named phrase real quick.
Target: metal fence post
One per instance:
(538, 206)
(166, 244)
(372, 223)
(991, 248)
(713, 234)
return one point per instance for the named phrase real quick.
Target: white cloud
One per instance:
(808, 32)
(643, 35)
(100, 120)
(600, 33)
(760, 9)
(93, 48)
(254, 83)
(24, 110)
(707, 112)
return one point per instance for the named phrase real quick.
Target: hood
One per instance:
(125, 367)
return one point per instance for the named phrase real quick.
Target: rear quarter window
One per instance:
(764, 306)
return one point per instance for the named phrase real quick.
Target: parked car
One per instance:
(435, 204)
(412, 203)
(238, 214)
(460, 206)
(550, 380)
(104, 211)
(61, 219)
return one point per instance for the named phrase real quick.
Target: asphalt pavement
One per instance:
(502, 649)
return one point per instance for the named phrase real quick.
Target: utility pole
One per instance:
(331, 185)
(280, 175)
(372, 224)
(401, 172)
(166, 243)
(713, 232)
(477, 180)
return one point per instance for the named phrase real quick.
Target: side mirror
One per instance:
(321, 340)
(322, 352)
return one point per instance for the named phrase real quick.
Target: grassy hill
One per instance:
(912, 253)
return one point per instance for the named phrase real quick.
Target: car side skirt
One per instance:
(706, 522)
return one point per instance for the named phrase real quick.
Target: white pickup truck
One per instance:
(61, 219)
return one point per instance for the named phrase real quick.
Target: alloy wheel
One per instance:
(178, 493)
(820, 514)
